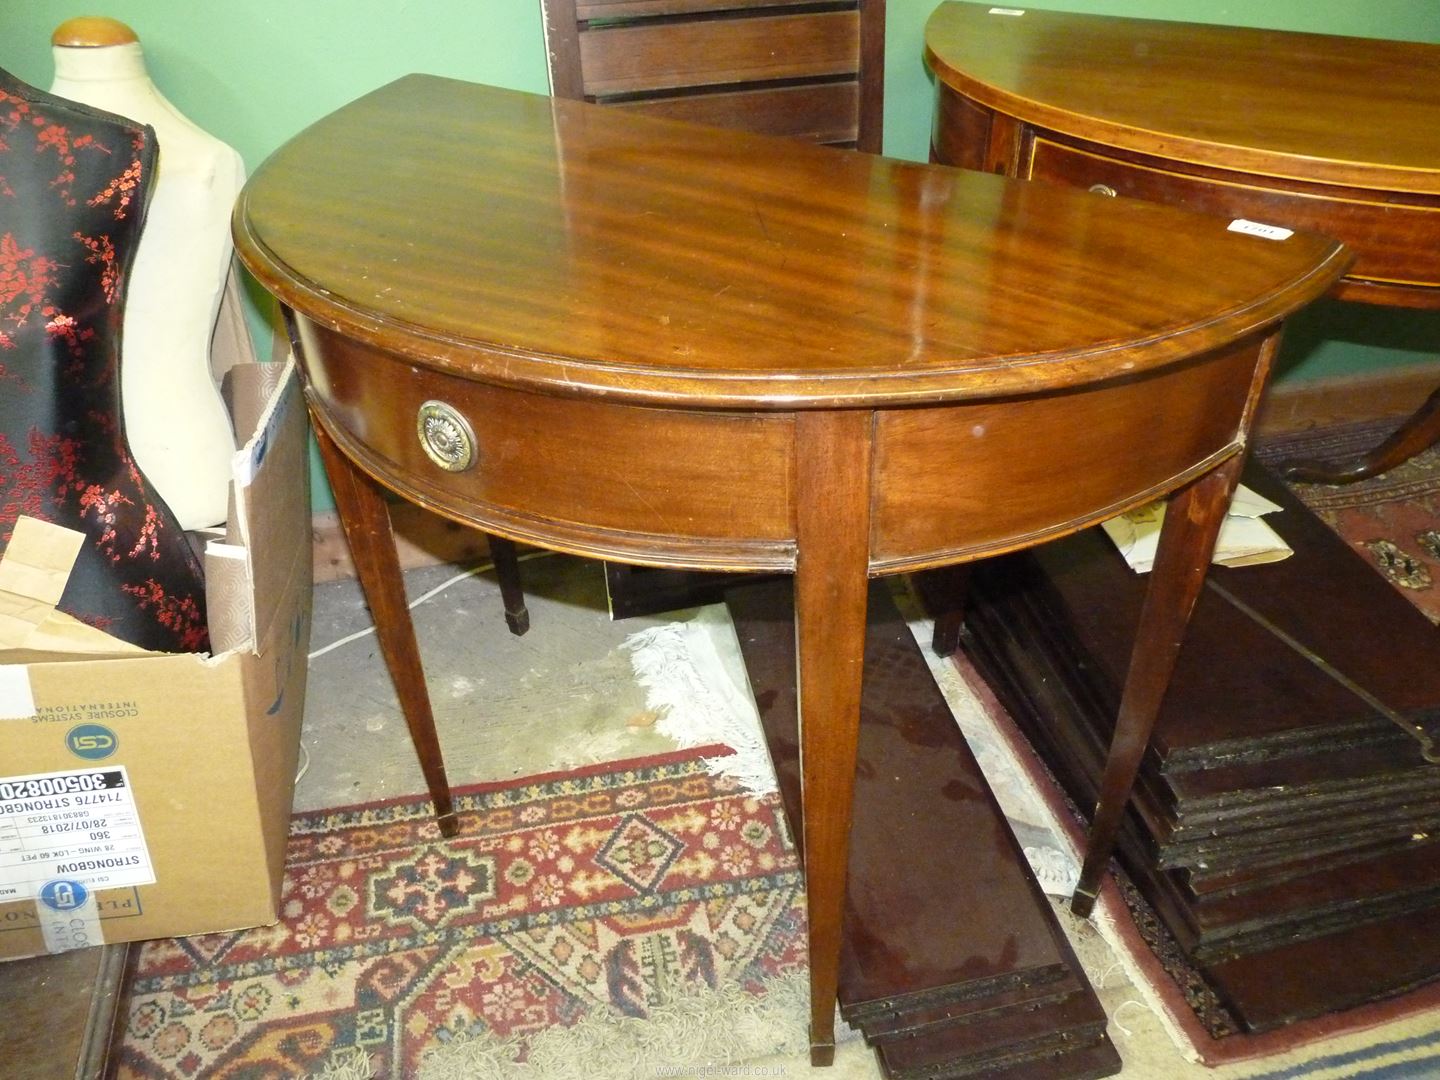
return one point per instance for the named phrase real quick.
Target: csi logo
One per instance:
(63, 895)
(91, 741)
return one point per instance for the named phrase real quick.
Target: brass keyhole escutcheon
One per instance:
(445, 436)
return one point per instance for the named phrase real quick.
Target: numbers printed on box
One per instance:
(79, 825)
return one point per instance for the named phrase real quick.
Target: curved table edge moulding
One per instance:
(779, 390)
(548, 229)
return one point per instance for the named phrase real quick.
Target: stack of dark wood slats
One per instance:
(953, 962)
(1286, 823)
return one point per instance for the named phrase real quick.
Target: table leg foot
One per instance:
(512, 593)
(449, 824)
(943, 593)
(822, 1055)
(1082, 901)
(1419, 432)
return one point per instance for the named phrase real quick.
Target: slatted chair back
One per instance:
(810, 70)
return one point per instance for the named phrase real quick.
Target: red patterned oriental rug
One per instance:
(595, 899)
(1392, 519)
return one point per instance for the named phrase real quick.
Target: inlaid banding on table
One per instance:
(1395, 234)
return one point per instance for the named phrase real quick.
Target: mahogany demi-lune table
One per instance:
(1336, 134)
(665, 344)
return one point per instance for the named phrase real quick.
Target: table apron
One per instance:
(717, 489)
(964, 482)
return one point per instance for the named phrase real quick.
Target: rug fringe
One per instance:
(687, 682)
(351, 1063)
(719, 1027)
(1103, 919)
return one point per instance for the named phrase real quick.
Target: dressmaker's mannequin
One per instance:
(175, 421)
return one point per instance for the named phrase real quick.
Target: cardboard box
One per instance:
(149, 795)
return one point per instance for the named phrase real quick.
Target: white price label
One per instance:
(76, 828)
(1256, 228)
(17, 701)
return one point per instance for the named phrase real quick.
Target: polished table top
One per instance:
(668, 344)
(507, 237)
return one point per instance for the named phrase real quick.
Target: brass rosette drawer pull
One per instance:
(445, 436)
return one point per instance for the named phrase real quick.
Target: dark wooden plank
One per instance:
(1238, 694)
(1040, 689)
(562, 42)
(1273, 942)
(1359, 965)
(872, 76)
(634, 58)
(919, 794)
(1076, 1062)
(1014, 1040)
(1273, 983)
(825, 113)
(910, 967)
(60, 1013)
(634, 9)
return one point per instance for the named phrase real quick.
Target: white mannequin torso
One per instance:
(175, 421)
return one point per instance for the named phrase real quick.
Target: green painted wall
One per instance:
(254, 72)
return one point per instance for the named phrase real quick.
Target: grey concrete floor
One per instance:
(561, 696)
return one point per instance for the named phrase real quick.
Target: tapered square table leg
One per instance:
(1187, 540)
(833, 451)
(366, 520)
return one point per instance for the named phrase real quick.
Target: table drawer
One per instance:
(1395, 241)
(701, 488)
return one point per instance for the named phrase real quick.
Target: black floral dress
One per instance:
(74, 183)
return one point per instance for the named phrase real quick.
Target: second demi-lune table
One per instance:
(658, 343)
(1314, 131)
